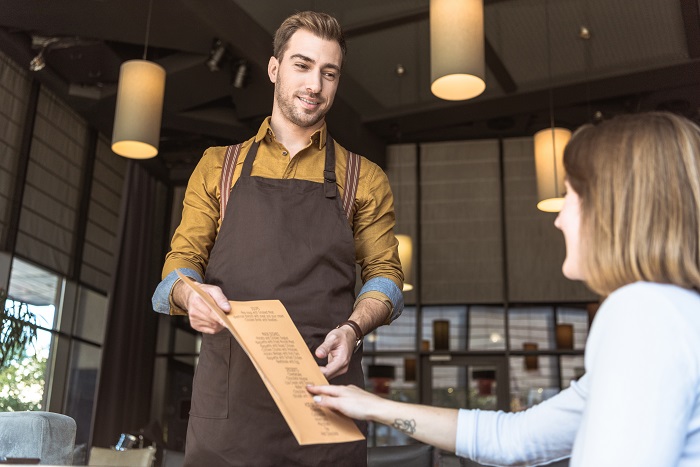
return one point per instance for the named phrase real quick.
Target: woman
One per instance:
(631, 224)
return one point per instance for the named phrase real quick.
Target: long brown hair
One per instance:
(320, 24)
(638, 179)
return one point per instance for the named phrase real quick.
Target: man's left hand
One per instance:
(338, 347)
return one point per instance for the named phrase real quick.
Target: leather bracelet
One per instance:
(358, 332)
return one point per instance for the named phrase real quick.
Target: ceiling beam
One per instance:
(498, 69)
(106, 21)
(369, 27)
(218, 121)
(183, 69)
(407, 17)
(690, 11)
(422, 119)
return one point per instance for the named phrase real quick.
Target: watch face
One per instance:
(358, 343)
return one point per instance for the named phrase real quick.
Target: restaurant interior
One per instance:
(489, 320)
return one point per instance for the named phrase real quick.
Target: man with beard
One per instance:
(284, 215)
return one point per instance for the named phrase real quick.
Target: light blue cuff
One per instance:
(388, 288)
(161, 297)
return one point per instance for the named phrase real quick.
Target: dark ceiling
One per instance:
(641, 55)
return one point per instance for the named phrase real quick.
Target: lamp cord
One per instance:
(588, 59)
(549, 67)
(148, 28)
(551, 100)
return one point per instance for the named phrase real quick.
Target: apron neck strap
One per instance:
(249, 158)
(329, 186)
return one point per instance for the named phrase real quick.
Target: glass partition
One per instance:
(487, 328)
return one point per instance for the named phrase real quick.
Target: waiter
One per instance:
(284, 215)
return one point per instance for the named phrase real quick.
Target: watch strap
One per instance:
(356, 328)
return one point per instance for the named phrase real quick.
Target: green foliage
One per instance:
(22, 383)
(22, 374)
(18, 329)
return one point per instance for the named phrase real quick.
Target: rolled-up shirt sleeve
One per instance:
(162, 297)
(385, 290)
(376, 246)
(195, 236)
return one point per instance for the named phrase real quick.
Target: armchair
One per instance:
(46, 436)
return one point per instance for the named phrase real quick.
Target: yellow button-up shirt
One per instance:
(376, 247)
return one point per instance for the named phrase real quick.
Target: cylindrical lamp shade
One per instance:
(406, 258)
(139, 109)
(531, 361)
(457, 69)
(441, 334)
(549, 166)
(565, 336)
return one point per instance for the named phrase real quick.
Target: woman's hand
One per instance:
(431, 425)
(348, 400)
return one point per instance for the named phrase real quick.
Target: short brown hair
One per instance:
(638, 179)
(320, 24)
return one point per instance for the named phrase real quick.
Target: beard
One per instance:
(300, 117)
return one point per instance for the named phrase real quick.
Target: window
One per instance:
(30, 310)
(65, 324)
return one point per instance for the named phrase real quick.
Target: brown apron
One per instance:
(283, 239)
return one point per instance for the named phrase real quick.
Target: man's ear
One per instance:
(272, 67)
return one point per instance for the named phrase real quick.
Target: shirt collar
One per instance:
(318, 137)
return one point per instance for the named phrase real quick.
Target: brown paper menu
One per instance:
(265, 331)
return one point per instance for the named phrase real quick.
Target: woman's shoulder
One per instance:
(655, 306)
(653, 293)
(660, 322)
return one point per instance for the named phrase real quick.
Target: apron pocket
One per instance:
(210, 386)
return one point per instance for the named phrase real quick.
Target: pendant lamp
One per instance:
(549, 167)
(549, 151)
(139, 110)
(457, 68)
(406, 258)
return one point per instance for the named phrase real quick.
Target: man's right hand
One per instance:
(202, 318)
